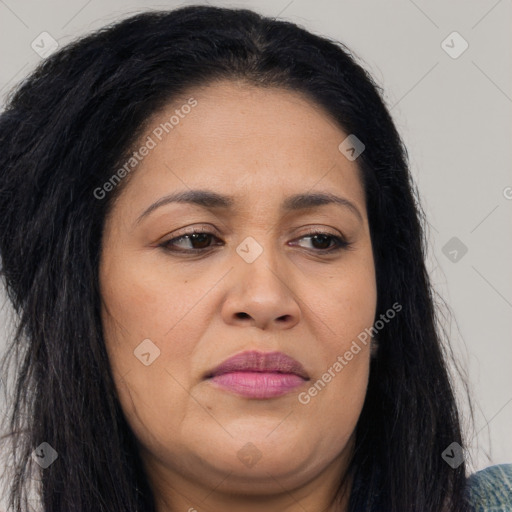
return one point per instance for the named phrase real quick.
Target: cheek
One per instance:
(347, 312)
(347, 304)
(145, 302)
(141, 301)
(140, 306)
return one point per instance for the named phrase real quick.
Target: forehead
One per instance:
(243, 140)
(242, 117)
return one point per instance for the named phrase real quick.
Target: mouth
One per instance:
(259, 375)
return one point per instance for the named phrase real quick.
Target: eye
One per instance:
(196, 241)
(324, 242)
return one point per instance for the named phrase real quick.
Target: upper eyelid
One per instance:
(312, 232)
(209, 229)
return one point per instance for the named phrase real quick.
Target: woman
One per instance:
(211, 237)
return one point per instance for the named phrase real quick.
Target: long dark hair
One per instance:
(66, 129)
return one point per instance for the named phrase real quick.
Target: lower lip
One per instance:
(258, 384)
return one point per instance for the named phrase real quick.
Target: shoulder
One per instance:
(490, 490)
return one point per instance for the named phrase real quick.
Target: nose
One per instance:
(260, 296)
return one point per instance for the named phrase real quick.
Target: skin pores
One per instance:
(259, 146)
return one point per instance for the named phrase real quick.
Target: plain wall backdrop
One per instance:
(446, 71)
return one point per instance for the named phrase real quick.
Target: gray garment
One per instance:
(490, 490)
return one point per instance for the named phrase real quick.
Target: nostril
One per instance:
(242, 315)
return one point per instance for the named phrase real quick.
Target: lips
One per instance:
(259, 375)
(272, 362)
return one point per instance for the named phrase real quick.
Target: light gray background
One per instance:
(455, 117)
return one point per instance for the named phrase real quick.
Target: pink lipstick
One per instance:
(259, 375)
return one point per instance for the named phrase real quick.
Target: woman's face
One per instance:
(259, 287)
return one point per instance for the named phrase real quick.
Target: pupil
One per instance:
(325, 239)
(201, 237)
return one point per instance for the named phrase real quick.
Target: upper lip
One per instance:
(254, 361)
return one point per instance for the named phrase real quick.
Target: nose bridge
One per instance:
(262, 292)
(258, 266)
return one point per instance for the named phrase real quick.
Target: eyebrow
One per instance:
(211, 200)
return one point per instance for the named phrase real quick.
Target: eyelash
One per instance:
(340, 243)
